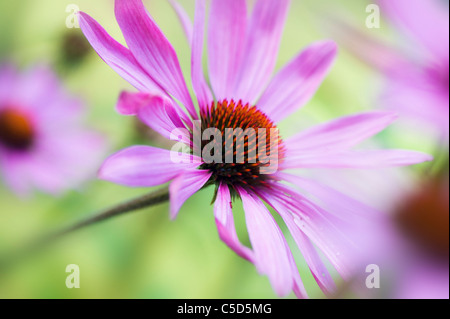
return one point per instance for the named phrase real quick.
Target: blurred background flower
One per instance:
(139, 255)
(43, 143)
(414, 63)
(414, 69)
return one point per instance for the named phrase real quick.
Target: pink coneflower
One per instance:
(241, 57)
(42, 142)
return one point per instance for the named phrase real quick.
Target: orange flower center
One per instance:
(424, 218)
(249, 150)
(16, 130)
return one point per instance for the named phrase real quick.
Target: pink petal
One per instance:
(297, 82)
(14, 174)
(60, 160)
(160, 114)
(298, 287)
(53, 117)
(340, 134)
(201, 88)
(38, 92)
(225, 224)
(426, 20)
(338, 204)
(184, 186)
(317, 267)
(335, 243)
(7, 81)
(117, 56)
(271, 256)
(371, 50)
(357, 159)
(36, 88)
(129, 103)
(152, 50)
(195, 35)
(419, 101)
(261, 48)
(226, 38)
(144, 166)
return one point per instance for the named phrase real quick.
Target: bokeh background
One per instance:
(144, 254)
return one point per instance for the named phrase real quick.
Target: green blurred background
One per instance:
(144, 254)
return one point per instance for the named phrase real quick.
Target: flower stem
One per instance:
(43, 242)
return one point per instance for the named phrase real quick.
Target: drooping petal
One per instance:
(337, 244)
(184, 186)
(297, 82)
(152, 50)
(338, 204)
(357, 159)
(271, 256)
(144, 166)
(226, 39)
(316, 265)
(201, 88)
(225, 223)
(298, 286)
(340, 134)
(129, 103)
(119, 58)
(352, 228)
(160, 114)
(426, 20)
(261, 48)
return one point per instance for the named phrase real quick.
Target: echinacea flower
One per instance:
(43, 143)
(242, 52)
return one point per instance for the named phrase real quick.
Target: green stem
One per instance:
(41, 243)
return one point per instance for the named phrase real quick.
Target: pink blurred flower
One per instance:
(412, 251)
(421, 89)
(416, 69)
(422, 252)
(43, 144)
(242, 53)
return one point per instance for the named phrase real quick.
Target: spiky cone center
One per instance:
(249, 147)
